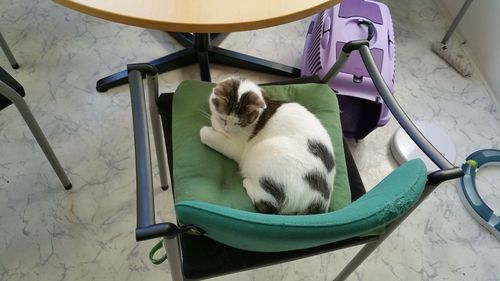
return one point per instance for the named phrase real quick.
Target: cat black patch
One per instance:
(275, 189)
(317, 181)
(244, 101)
(246, 110)
(266, 207)
(320, 150)
(271, 107)
(316, 207)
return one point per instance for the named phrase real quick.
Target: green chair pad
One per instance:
(202, 174)
(209, 193)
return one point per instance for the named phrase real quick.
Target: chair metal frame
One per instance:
(37, 132)
(8, 53)
(147, 228)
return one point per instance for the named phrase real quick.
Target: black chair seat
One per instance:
(11, 82)
(205, 258)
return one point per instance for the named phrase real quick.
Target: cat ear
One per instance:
(255, 102)
(227, 89)
(255, 105)
(224, 93)
(219, 93)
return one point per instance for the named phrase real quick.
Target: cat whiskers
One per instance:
(204, 114)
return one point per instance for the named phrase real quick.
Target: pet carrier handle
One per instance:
(342, 59)
(347, 49)
(371, 29)
(400, 114)
(146, 226)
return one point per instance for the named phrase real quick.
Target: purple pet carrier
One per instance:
(362, 109)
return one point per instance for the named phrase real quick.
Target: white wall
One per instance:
(480, 28)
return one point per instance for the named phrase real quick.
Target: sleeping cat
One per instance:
(284, 153)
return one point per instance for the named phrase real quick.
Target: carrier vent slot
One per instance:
(314, 57)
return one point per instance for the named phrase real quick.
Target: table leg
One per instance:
(187, 39)
(202, 45)
(204, 63)
(235, 59)
(183, 38)
(170, 62)
(200, 49)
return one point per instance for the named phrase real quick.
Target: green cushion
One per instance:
(209, 192)
(391, 198)
(202, 174)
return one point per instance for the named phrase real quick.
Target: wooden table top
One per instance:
(200, 16)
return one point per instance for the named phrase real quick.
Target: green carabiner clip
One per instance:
(153, 251)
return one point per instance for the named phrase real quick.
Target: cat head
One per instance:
(236, 105)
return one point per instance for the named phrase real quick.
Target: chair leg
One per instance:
(370, 247)
(357, 260)
(158, 132)
(8, 53)
(37, 132)
(172, 248)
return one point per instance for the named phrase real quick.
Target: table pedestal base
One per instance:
(198, 48)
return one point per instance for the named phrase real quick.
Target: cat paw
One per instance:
(206, 134)
(249, 188)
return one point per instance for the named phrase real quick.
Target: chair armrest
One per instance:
(439, 176)
(363, 47)
(400, 114)
(144, 181)
(146, 226)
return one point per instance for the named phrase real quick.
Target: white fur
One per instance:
(278, 151)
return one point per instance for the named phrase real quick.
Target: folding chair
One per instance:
(8, 53)
(217, 230)
(11, 92)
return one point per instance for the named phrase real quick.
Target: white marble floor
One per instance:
(47, 233)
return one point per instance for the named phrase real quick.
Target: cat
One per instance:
(284, 153)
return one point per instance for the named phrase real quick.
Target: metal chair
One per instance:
(199, 246)
(11, 92)
(8, 53)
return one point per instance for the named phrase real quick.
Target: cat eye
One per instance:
(223, 120)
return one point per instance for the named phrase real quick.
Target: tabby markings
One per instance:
(226, 94)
